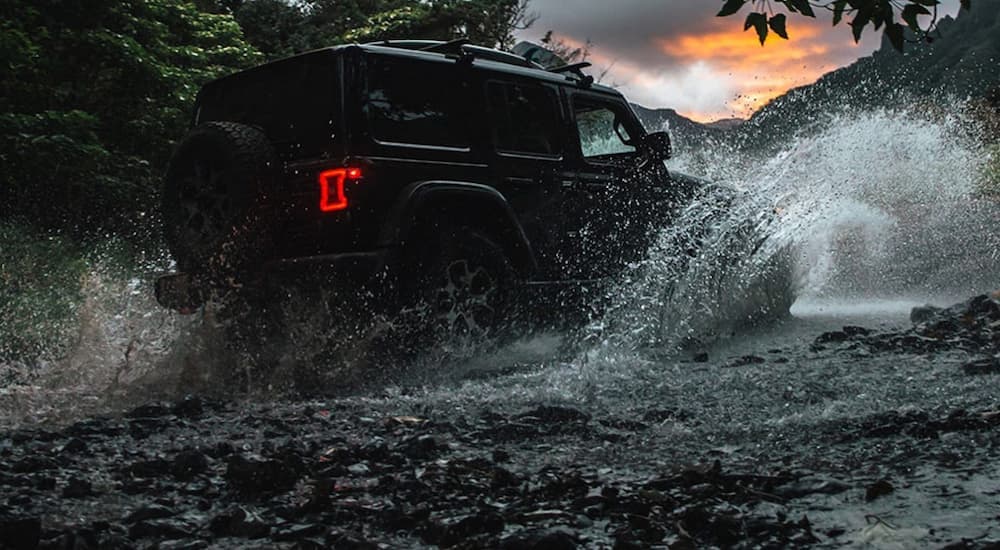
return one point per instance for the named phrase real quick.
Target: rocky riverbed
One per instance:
(884, 436)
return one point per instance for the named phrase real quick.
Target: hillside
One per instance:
(962, 61)
(684, 132)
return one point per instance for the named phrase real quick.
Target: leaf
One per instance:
(731, 7)
(910, 13)
(759, 22)
(860, 21)
(838, 11)
(803, 7)
(895, 33)
(777, 24)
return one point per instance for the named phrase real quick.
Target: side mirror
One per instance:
(657, 145)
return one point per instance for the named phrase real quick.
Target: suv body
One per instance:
(376, 145)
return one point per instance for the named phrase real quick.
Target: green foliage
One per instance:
(40, 281)
(891, 16)
(279, 28)
(94, 95)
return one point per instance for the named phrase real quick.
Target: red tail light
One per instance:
(331, 188)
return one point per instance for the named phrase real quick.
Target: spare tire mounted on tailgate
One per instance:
(214, 192)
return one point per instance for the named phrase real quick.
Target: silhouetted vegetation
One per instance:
(893, 17)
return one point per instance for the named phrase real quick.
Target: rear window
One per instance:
(295, 102)
(525, 118)
(415, 102)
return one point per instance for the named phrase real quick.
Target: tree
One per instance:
(94, 95)
(894, 17)
(280, 28)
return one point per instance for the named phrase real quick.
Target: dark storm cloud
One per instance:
(624, 28)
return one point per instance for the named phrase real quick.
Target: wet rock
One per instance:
(339, 540)
(182, 545)
(811, 486)
(746, 360)
(456, 530)
(74, 446)
(155, 467)
(33, 464)
(189, 407)
(20, 532)
(254, 476)
(421, 447)
(510, 431)
(77, 488)
(188, 464)
(878, 489)
(93, 427)
(924, 313)
(168, 528)
(149, 411)
(662, 415)
(153, 511)
(832, 337)
(855, 331)
(986, 365)
(359, 469)
(556, 538)
(292, 533)
(239, 522)
(555, 415)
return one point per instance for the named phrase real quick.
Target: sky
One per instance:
(677, 54)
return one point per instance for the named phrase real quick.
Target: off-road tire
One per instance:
(456, 284)
(214, 196)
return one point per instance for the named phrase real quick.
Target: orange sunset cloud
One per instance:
(758, 73)
(680, 55)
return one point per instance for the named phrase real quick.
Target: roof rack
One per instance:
(460, 46)
(576, 69)
(573, 68)
(451, 46)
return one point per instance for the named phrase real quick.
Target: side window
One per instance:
(415, 102)
(602, 130)
(525, 119)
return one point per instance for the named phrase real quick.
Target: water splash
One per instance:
(878, 204)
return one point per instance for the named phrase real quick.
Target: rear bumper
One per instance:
(352, 272)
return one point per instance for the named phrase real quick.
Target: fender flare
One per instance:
(420, 201)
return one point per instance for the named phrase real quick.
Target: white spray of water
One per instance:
(879, 205)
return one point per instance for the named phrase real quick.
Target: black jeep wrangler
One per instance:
(439, 172)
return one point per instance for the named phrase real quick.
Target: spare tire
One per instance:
(214, 193)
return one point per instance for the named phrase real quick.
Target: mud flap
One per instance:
(180, 292)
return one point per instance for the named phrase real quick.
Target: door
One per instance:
(529, 129)
(611, 222)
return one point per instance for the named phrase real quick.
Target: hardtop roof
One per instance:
(389, 50)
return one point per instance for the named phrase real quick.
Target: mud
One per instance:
(879, 436)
